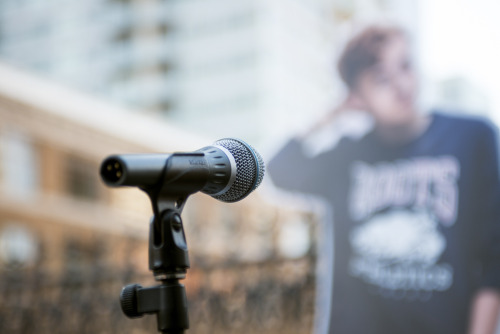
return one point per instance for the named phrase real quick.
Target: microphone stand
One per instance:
(213, 170)
(168, 260)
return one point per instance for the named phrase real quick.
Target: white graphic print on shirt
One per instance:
(401, 207)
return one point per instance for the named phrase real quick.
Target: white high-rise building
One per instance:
(249, 68)
(240, 68)
(115, 49)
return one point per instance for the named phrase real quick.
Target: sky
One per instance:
(462, 38)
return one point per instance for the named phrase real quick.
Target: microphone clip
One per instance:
(169, 261)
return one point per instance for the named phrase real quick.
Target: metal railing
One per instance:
(276, 297)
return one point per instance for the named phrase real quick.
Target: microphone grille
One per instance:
(249, 169)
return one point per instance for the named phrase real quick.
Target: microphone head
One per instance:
(249, 169)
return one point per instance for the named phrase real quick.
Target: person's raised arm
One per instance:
(297, 166)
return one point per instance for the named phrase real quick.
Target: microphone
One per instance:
(229, 170)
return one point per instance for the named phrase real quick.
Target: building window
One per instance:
(81, 179)
(19, 163)
(124, 35)
(18, 246)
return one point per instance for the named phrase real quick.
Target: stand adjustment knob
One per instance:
(128, 300)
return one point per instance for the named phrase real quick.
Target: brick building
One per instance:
(68, 244)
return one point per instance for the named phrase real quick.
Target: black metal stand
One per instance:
(168, 180)
(168, 259)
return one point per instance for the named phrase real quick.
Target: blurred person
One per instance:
(416, 202)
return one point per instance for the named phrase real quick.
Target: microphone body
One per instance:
(228, 170)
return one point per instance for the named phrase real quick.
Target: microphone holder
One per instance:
(168, 260)
(228, 172)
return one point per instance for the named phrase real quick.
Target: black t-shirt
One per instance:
(416, 225)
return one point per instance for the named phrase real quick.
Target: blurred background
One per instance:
(80, 80)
